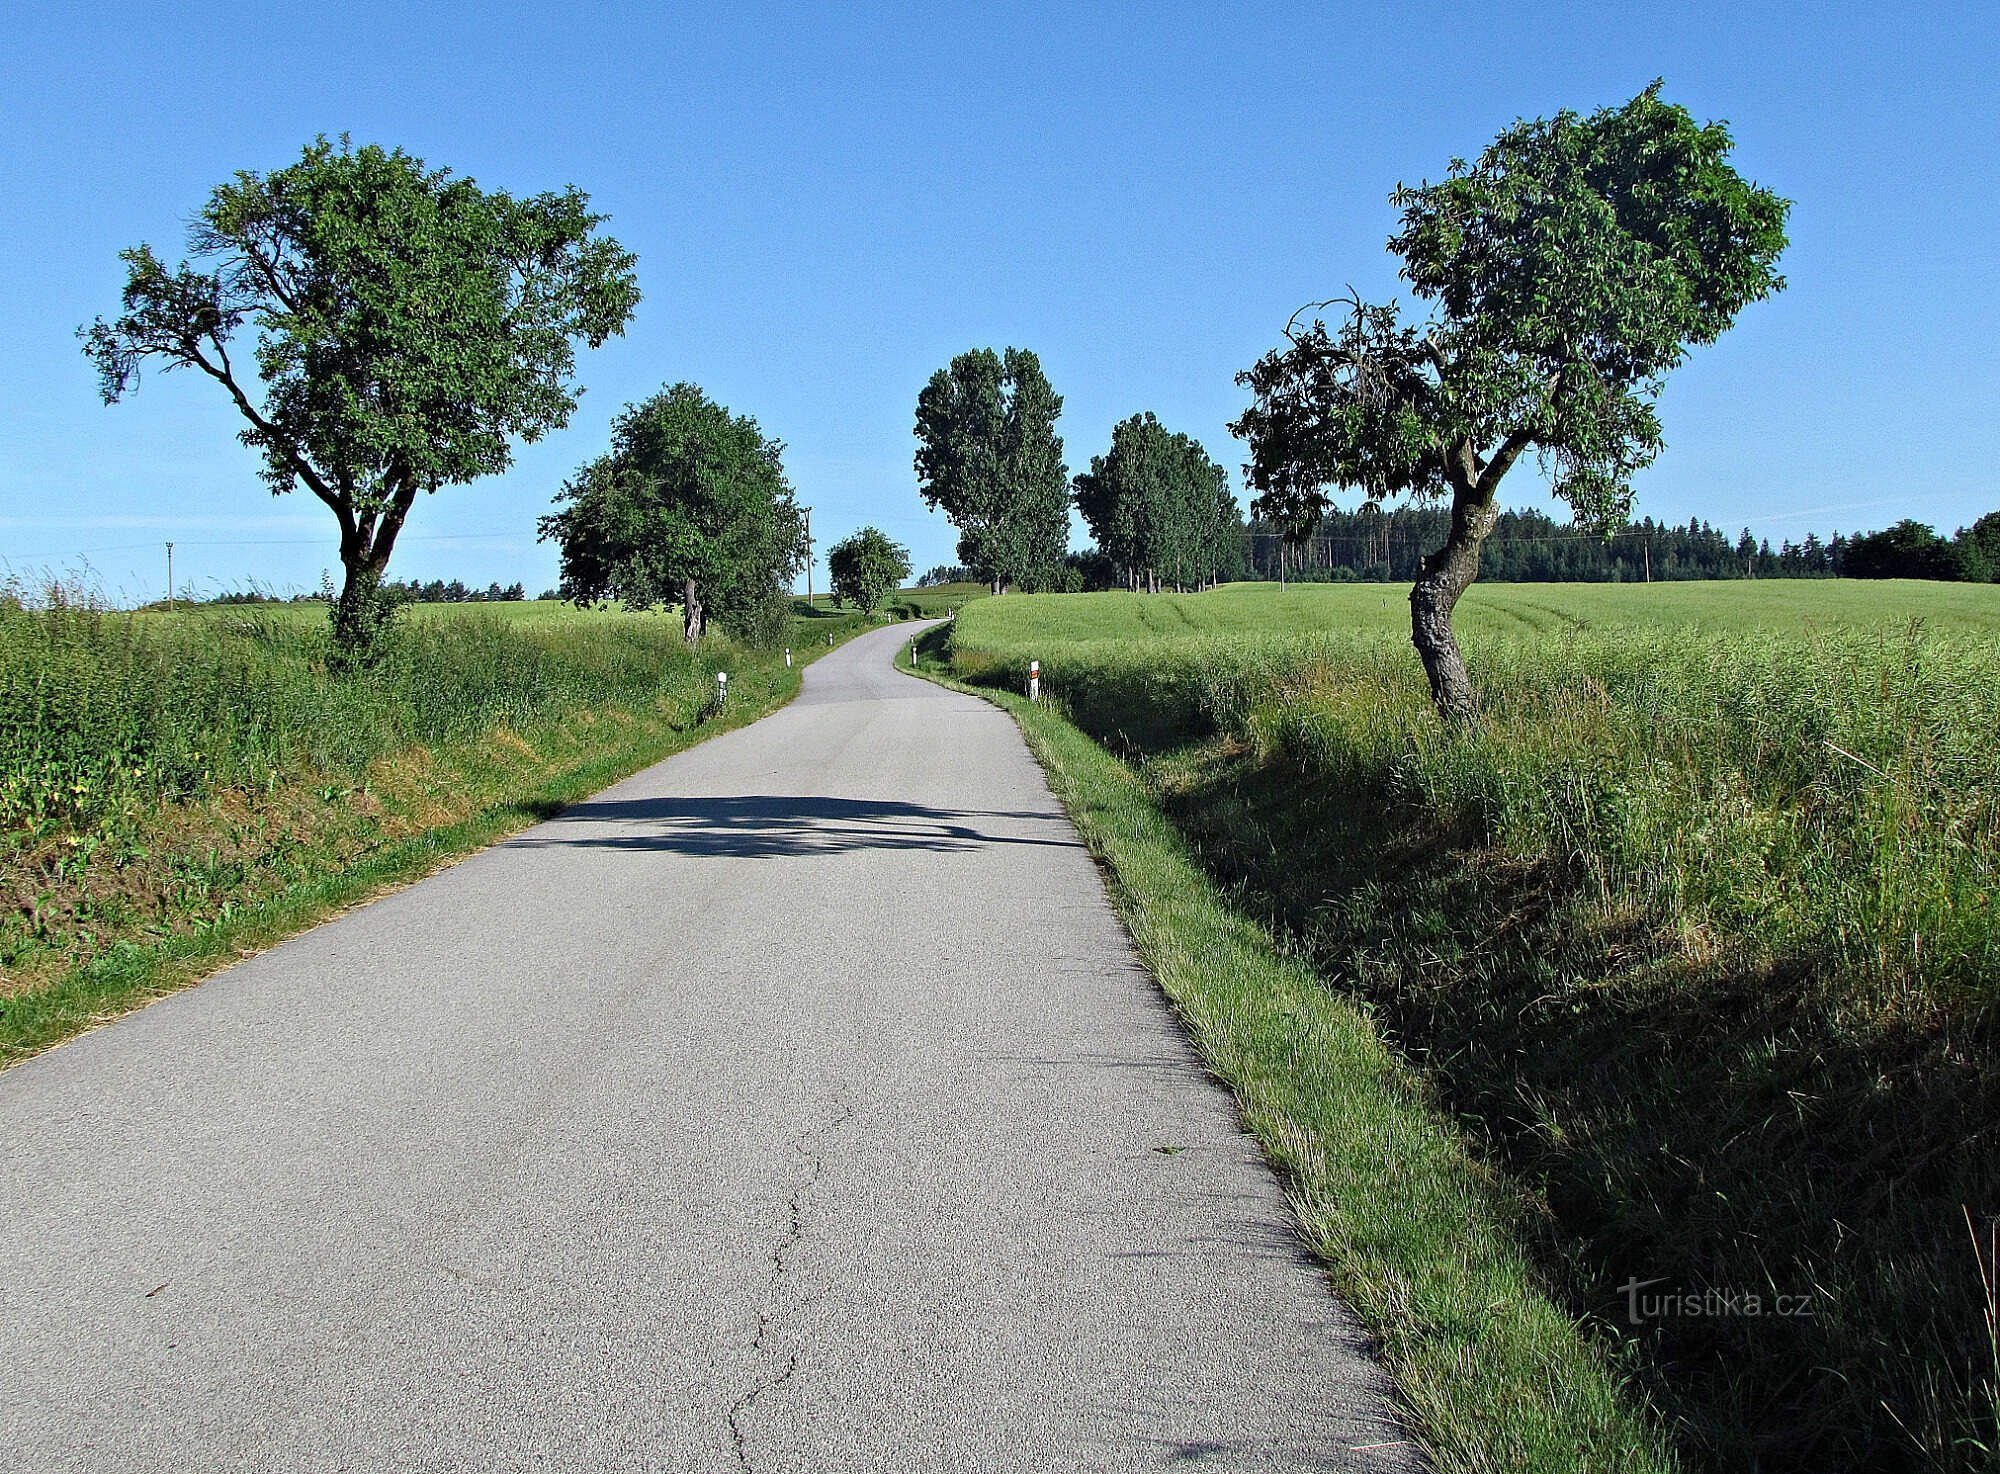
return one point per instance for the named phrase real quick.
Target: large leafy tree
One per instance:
(1910, 549)
(866, 566)
(1158, 505)
(989, 457)
(689, 507)
(1567, 271)
(1979, 549)
(409, 327)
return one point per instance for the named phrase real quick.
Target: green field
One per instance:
(1696, 936)
(1781, 605)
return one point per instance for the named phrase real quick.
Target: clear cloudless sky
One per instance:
(828, 202)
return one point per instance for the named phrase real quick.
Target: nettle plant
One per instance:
(1568, 272)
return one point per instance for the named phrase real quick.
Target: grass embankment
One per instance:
(177, 791)
(1420, 1239)
(1696, 935)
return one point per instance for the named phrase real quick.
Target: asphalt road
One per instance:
(797, 1104)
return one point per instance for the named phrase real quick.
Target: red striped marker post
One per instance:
(1034, 680)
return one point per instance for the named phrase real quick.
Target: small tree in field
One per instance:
(409, 327)
(866, 566)
(691, 506)
(1569, 270)
(989, 457)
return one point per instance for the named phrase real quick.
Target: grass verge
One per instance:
(1693, 936)
(1417, 1236)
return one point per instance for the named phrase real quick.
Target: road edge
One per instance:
(1490, 1372)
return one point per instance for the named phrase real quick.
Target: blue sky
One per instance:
(828, 202)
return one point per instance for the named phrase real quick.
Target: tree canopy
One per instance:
(1911, 549)
(690, 507)
(1158, 506)
(409, 325)
(1568, 271)
(866, 567)
(989, 457)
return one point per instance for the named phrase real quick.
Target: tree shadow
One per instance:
(776, 826)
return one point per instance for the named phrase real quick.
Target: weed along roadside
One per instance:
(186, 790)
(1703, 1006)
(1417, 1235)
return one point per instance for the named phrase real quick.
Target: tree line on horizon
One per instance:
(1389, 546)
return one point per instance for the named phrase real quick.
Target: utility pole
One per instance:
(809, 555)
(170, 578)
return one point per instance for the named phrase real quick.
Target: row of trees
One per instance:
(988, 456)
(1912, 549)
(441, 591)
(1378, 545)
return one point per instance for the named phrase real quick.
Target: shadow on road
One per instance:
(760, 826)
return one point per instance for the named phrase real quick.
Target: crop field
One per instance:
(1697, 932)
(176, 786)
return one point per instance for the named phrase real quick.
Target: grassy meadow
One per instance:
(178, 788)
(1695, 935)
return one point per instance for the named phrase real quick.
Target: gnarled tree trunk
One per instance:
(1447, 574)
(693, 619)
(367, 538)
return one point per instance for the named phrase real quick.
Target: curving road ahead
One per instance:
(797, 1104)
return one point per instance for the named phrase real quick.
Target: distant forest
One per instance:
(1372, 545)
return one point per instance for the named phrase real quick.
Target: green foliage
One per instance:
(1156, 503)
(1910, 550)
(410, 327)
(866, 566)
(1979, 549)
(690, 506)
(989, 457)
(1569, 269)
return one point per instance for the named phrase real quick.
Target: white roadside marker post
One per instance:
(1034, 680)
(788, 657)
(721, 689)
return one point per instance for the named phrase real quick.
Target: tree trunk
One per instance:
(1447, 574)
(361, 613)
(693, 621)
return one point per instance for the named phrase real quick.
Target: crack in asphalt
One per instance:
(807, 1147)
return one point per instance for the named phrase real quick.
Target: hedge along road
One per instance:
(797, 1104)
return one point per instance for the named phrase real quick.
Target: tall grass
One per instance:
(1698, 928)
(160, 773)
(1836, 800)
(100, 709)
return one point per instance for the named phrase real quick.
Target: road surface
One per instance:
(797, 1104)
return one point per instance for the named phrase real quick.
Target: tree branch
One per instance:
(391, 525)
(1518, 440)
(1509, 452)
(299, 466)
